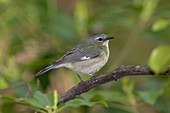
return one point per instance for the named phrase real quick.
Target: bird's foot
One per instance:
(80, 78)
(115, 78)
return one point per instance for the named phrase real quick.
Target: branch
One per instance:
(105, 78)
(13, 86)
(26, 84)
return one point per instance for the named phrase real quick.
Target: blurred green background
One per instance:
(34, 33)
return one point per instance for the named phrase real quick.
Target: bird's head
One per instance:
(100, 39)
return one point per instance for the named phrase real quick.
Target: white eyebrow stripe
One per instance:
(85, 58)
(98, 38)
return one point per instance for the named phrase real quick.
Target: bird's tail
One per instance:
(49, 68)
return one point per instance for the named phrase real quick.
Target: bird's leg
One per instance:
(79, 77)
(91, 75)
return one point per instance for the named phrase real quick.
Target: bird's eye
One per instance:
(100, 39)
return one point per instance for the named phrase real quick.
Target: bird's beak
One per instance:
(108, 38)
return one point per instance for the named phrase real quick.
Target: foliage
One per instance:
(48, 102)
(151, 96)
(160, 59)
(34, 33)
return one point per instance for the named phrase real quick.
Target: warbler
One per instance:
(88, 57)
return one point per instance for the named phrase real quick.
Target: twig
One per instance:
(27, 85)
(13, 86)
(38, 84)
(105, 78)
(29, 89)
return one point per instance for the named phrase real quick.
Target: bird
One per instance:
(86, 58)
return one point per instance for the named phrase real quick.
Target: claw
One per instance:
(80, 78)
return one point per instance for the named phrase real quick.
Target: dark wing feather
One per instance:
(76, 54)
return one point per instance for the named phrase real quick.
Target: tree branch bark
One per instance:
(105, 78)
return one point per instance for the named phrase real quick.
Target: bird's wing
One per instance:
(79, 54)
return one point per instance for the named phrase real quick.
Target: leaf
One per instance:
(160, 24)
(160, 59)
(113, 96)
(18, 100)
(42, 98)
(51, 98)
(159, 36)
(150, 96)
(102, 102)
(81, 101)
(33, 102)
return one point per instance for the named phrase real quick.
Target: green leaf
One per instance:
(19, 101)
(150, 96)
(160, 24)
(102, 102)
(33, 102)
(80, 102)
(42, 98)
(51, 98)
(3, 82)
(160, 59)
(83, 101)
(113, 96)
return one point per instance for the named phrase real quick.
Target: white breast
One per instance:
(90, 66)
